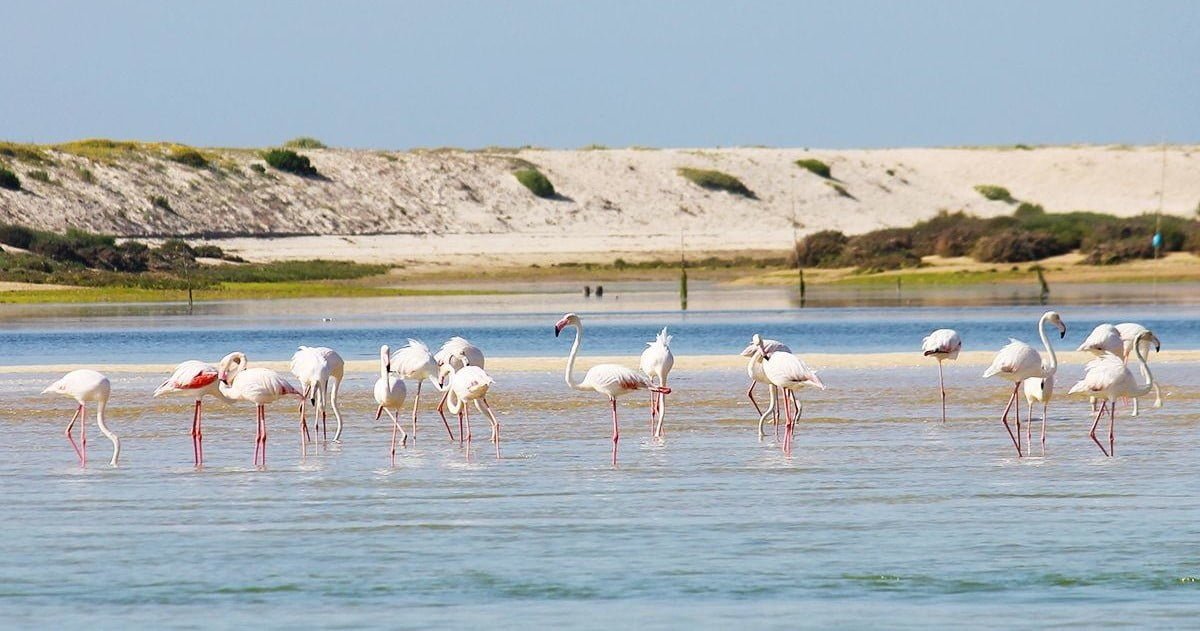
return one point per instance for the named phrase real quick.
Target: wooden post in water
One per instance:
(802, 288)
(897, 288)
(682, 276)
(1045, 293)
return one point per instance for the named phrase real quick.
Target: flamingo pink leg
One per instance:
(70, 426)
(1112, 437)
(83, 432)
(750, 394)
(416, 402)
(1043, 429)
(1095, 423)
(196, 433)
(942, 387)
(616, 435)
(441, 410)
(1004, 419)
(324, 426)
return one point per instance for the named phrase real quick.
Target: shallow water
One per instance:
(882, 515)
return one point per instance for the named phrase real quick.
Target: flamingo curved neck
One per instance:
(571, 358)
(1051, 366)
(1149, 377)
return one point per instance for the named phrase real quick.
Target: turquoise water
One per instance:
(881, 516)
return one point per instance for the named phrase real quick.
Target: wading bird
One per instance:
(455, 353)
(1131, 331)
(941, 345)
(657, 361)
(611, 380)
(789, 373)
(470, 384)
(389, 395)
(1017, 362)
(1105, 338)
(1108, 378)
(757, 376)
(415, 362)
(315, 367)
(196, 379)
(86, 386)
(259, 386)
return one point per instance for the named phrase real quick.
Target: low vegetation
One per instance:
(537, 183)
(716, 181)
(995, 193)
(40, 175)
(9, 180)
(188, 157)
(816, 167)
(304, 142)
(31, 154)
(1029, 234)
(291, 162)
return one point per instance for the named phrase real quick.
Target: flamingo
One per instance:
(256, 385)
(788, 373)
(1017, 362)
(1105, 338)
(470, 384)
(1131, 331)
(450, 357)
(1109, 378)
(86, 386)
(390, 392)
(757, 376)
(610, 380)
(657, 361)
(315, 367)
(198, 379)
(942, 344)
(414, 361)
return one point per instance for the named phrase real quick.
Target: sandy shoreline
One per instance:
(497, 365)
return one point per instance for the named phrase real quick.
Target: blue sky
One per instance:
(566, 74)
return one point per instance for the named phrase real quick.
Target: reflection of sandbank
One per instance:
(682, 362)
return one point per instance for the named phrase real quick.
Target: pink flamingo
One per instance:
(415, 362)
(455, 353)
(1131, 335)
(788, 373)
(390, 392)
(610, 380)
(1108, 378)
(941, 345)
(316, 367)
(470, 384)
(757, 376)
(1105, 338)
(256, 385)
(1017, 362)
(199, 380)
(657, 361)
(86, 386)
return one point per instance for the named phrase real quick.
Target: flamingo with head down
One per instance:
(316, 367)
(1108, 378)
(1132, 335)
(415, 362)
(259, 386)
(469, 384)
(757, 376)
(941, 345)
(86, 386)
(657, 361)
(789, 373)
(611, 380)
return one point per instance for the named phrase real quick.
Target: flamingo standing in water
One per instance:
(86, 386)
(757, 376)
(198, 379)
(941, 345)
(415, 362)
(610, 380)
(1017, 362)
(1130, 333)
(1108, 378)
(315, 367)
(1105, 338)
(390, 392)
(657, 361)
(455, 353)
(788, 373)
(470, 384)
(259, 386)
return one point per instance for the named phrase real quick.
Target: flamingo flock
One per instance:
(457, 372)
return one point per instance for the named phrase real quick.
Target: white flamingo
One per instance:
(390, 393)
(196, 379)
(755, 372)
(315, 367)
(470, 384)
(611, 380)
(86, 386)
(1017, 362)
(941, 345)
(259, 386)
(657, 361)
(789, 373)
(1105, 338)
(1109, 378)
(414, 361)
(455, 353)
(1131, 332)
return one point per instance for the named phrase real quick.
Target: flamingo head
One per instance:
(816, 381)
(757, 341)
(1149, 336)
(230, 365)
(1053, 318)
(566, 321)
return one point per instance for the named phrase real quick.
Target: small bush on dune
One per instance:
(9, 180)
(39, 175)
(819, 249)
(995, 193)
(188, 157)
(304, 142)
(716, 181)
(814, 166)
(290, 162)
(537, 183)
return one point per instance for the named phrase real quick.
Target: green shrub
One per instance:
(304, 142)
(1119, 251)
(819, 249)
(9, 180)
(291, 162)
(537, 183)
(814, 166)
(16, 236)
(1017, 246)
(258, 168)
(85, 175)
(948, 234)
(995, 193)
(879, 250)
(25, 153)
(39, 175)
(188, 157)
(716, 181)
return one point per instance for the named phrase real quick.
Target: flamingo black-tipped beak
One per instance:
(1062, 334)
(557, 330)
(1157, 348)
